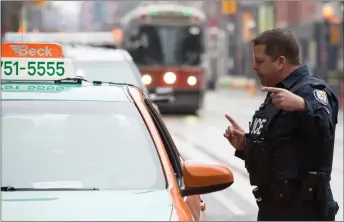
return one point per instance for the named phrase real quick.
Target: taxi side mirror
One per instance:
(202, 178)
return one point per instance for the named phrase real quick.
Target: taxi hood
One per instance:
(151, 205)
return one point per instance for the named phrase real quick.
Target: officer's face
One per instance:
(267, 70)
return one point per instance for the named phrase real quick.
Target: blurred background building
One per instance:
(38, 15)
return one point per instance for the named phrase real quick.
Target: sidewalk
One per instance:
(250, 85)
(235, 82)
(239, 83)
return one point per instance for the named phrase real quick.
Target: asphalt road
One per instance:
(201, 137)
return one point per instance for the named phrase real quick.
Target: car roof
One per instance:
(67, 92)
(84, 53)
(94, 54)
(62, 38)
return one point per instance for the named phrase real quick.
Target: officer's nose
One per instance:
(254, 66)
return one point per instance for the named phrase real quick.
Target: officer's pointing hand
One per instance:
(284, 99)
(235, 134)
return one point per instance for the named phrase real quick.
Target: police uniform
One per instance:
(289, 155)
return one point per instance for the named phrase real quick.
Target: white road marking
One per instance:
(228, 203)
(240, 186)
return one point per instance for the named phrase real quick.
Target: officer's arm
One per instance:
(240, 153)
(316, 119)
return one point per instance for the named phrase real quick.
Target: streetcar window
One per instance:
(167, 45)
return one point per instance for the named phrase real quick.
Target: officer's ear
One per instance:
(281, 62)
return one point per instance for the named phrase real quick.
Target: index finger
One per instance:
(231, 120)
(272, 89)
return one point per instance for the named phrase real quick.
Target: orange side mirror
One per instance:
(202, 178)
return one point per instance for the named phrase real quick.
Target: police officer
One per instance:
(288, 150)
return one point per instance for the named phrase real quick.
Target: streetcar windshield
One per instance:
(167, 45)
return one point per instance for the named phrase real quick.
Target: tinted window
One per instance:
(95, 144)
(113, 71)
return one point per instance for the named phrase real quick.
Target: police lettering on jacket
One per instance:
(257, 127)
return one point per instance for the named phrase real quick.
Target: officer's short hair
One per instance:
(279, 42)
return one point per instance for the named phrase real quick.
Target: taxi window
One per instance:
(113, 71)
(104, 145)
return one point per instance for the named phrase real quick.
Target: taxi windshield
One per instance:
(109, 71)
(84, 144)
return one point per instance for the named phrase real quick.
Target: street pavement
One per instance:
(201, 138)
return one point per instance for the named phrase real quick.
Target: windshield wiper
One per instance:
(9, 189)
(78, 80)
(114, 83)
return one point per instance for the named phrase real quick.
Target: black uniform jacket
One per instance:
(304, 140)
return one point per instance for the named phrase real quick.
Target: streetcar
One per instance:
(166, 41)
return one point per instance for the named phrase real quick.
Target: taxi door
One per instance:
(194, 203)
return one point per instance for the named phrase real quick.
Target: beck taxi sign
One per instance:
(35, 68)
(31, 50)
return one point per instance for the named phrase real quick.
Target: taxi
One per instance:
(101, 63)
(114, 65)
(79, 150)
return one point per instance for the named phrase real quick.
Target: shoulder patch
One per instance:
(321, 96)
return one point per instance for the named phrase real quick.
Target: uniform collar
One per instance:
(293, 77)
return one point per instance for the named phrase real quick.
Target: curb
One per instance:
(238, 84)
(228, 82)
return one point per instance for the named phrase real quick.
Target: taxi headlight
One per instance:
(170, 77)
(146, 79)
(192, 80)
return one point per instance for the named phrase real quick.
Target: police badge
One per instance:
(321, 96)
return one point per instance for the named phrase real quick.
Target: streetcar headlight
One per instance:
(192, 80)
(146, 79)
(170, 78)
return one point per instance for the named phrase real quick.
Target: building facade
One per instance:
(10, 16)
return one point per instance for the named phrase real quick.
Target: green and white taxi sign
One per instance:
(34, 62)
(36, 69)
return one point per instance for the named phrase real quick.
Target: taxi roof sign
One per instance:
(34, 62)
(31, 50)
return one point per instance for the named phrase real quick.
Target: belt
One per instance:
(279, 192)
